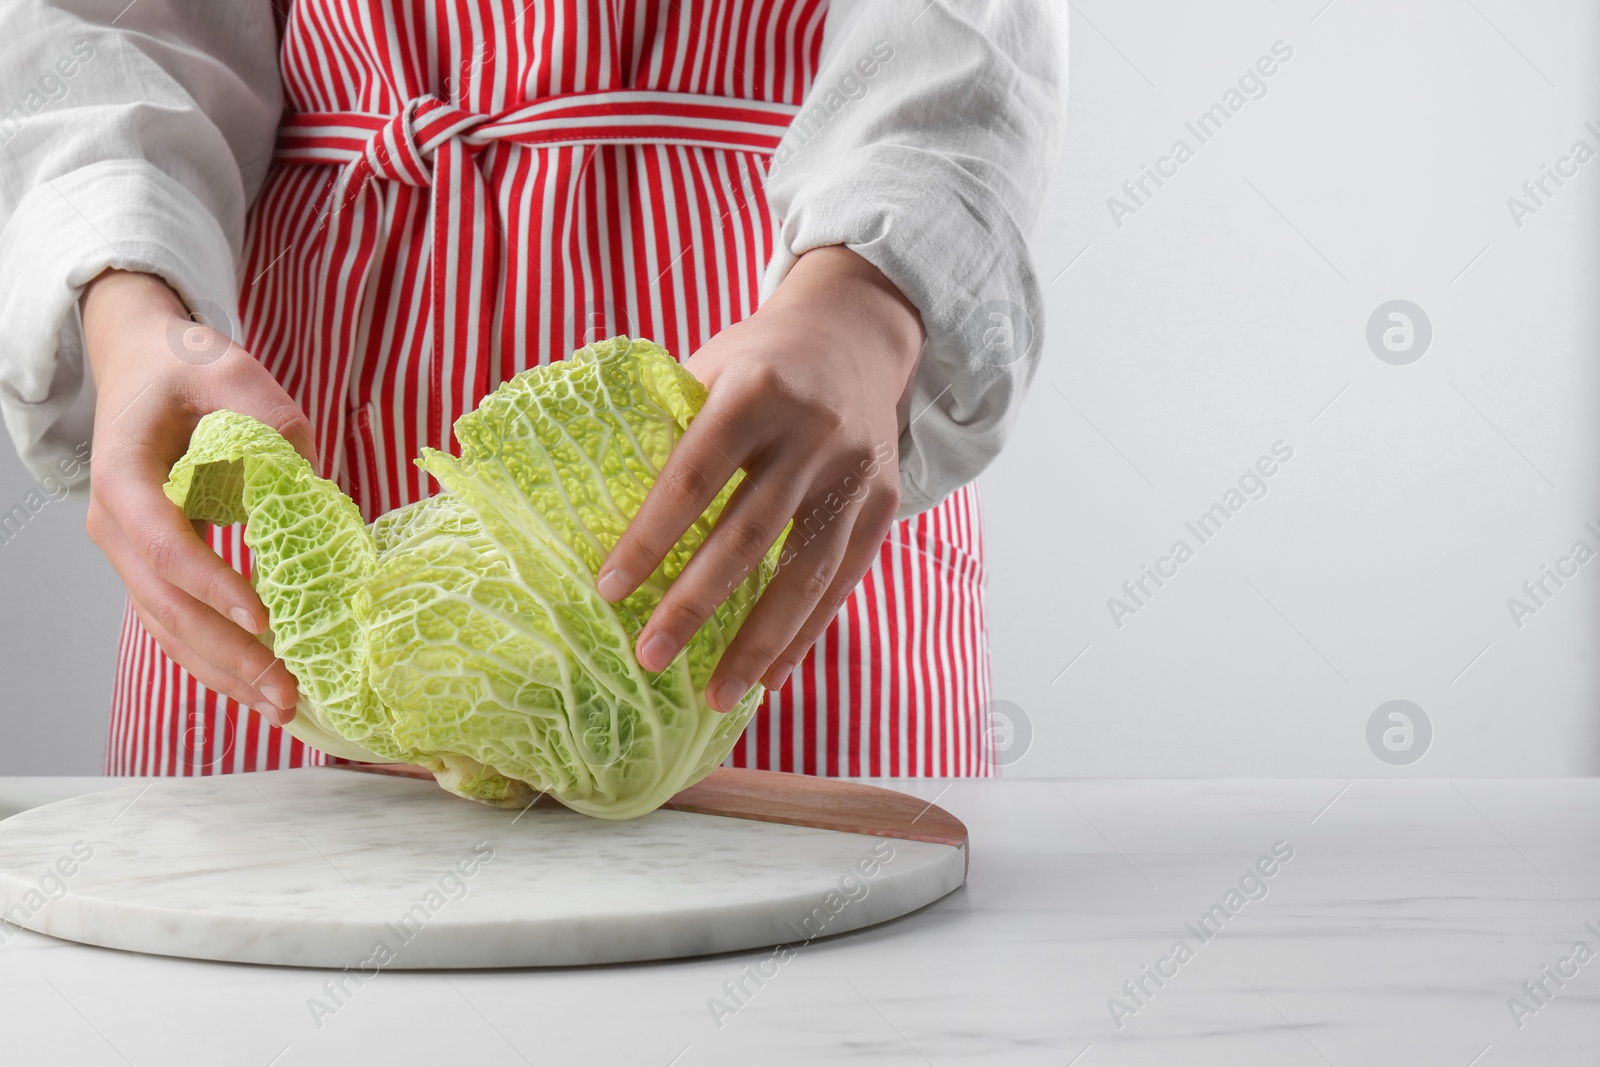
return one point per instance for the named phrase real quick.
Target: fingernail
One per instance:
(612, 583)
(729, 693)
(245, 619)
(270, 712)
(783, 676)
(656, 652)
(274, 694)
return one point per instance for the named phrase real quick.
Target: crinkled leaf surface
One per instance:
(464, 633)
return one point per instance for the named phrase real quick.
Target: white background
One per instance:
(1221, 317)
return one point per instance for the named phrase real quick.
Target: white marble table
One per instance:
(1410, 911)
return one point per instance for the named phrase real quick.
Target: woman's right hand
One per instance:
(156, 372)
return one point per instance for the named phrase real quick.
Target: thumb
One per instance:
(705, 365)
(704, 370)
(254, 392)
(284, 415)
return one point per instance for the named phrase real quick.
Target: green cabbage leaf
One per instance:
(464, 633)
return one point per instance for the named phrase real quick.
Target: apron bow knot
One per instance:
(404, 148)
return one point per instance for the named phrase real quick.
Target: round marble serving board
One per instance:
(322, 868)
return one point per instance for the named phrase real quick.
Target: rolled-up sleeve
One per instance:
(132, 136)
(925, 145)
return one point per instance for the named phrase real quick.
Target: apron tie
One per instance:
(430, 143)
(403, 148)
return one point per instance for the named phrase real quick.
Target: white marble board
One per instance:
(322, 868)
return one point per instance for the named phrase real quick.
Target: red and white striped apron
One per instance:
(466, 188)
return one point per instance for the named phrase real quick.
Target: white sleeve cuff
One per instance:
(123, 214)
(952, 249)
(925, 146)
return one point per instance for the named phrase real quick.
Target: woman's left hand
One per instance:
(808, 397)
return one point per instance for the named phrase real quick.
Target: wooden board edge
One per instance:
(791, 800)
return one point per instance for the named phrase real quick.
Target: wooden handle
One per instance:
(825, 803)
(792, 799)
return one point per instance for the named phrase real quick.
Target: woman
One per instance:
(403, 204)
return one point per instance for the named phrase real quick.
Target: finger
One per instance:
(743, 533)
(695, 472)
(803, 579)
(278, 410)
(163, 537)
(219, 654)
(223, 657)
(243, 385)
(209, 674)
(866, 543)
(205, 672)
